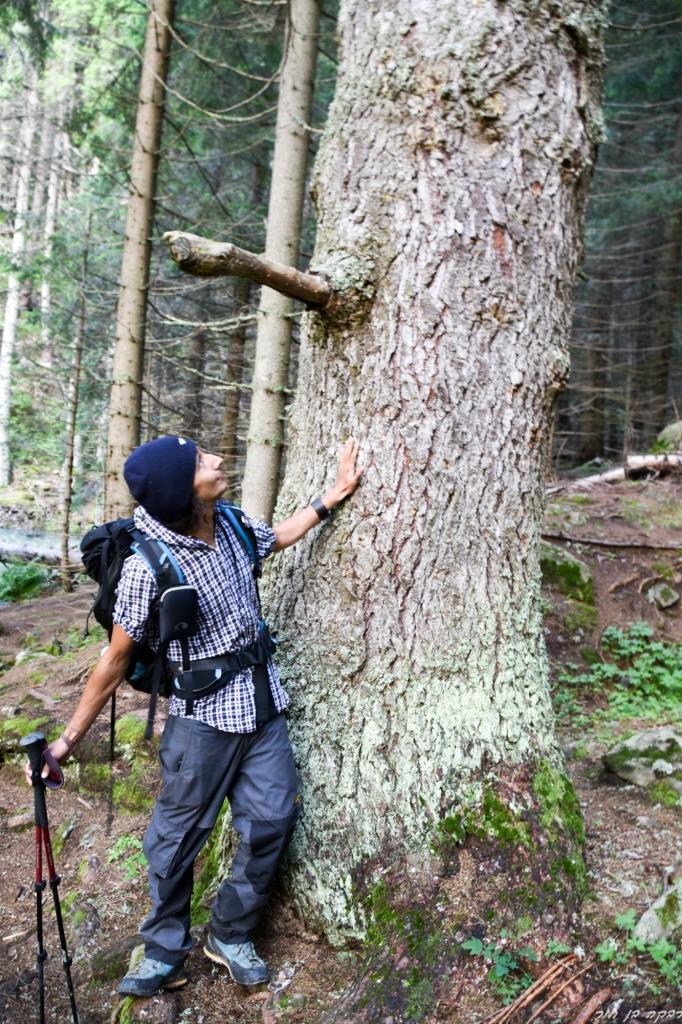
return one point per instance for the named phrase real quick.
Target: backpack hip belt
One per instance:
(208, 675)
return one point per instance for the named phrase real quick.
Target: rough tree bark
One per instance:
(126, 386)
(18, 246)
(271, 363)
(450, 188)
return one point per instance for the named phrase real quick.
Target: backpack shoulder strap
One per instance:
(167, 573)
(239, 524)
(160, 559)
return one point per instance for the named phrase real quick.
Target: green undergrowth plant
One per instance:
(626, 951)
(640, 676)
(76, 639)
(507, 974)
(525, 832)
(19, 580)
(127, 850)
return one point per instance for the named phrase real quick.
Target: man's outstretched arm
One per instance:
(108, 674)
(347, 479)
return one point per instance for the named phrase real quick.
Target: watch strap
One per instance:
(320, 508)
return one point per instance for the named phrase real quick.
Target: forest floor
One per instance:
(99, 817)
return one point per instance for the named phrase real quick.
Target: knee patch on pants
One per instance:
(267, 841)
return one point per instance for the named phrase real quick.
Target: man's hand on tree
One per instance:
(347, 476)
(347, 479)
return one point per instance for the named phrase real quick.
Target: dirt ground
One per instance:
(631, 846)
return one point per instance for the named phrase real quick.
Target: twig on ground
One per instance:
(646, 581)
(10, 940)
(590, 1008)
(553, 996)
(530, 994)
(268, 1012)
(619, 584)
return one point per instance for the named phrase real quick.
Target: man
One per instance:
(233, 743)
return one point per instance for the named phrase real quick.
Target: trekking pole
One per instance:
(35, 745)
(112, 728)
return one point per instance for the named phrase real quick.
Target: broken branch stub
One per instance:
(205, 258)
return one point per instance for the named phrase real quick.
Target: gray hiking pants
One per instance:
(201, 766)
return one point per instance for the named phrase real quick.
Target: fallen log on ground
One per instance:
(22, 553)
(633, 464)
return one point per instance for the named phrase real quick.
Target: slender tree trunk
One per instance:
(668, 291)
(270, 375)
(72, 414)
(151, 406)
(591, 419)
(234, 372)
(25, 143)
(126, 389)
(196, 364)
(77, 454)
(41, 166)
(49, 225)
(7, 118)
(450, 189)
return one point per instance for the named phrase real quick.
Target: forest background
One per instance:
(70, 93)
(69, 77)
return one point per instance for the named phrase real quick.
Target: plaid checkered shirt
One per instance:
(228, 613)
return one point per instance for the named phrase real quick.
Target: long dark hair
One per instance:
(191, 520)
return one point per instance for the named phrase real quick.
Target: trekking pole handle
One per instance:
(35, 745)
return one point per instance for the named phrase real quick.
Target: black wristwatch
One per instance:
(320, 508)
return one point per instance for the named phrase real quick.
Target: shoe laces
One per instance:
(147, 968)
(246, 950)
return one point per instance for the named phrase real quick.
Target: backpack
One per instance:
(104, 550)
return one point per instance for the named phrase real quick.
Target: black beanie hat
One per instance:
(160, 475)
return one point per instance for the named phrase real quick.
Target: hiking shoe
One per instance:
(151, 976)
(240, 958)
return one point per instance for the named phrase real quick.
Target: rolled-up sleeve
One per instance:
(135, 595)
(265, 536)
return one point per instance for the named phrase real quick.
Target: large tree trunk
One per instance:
(18, 246)
(126, 388)
(450, 189)
(271, 363)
